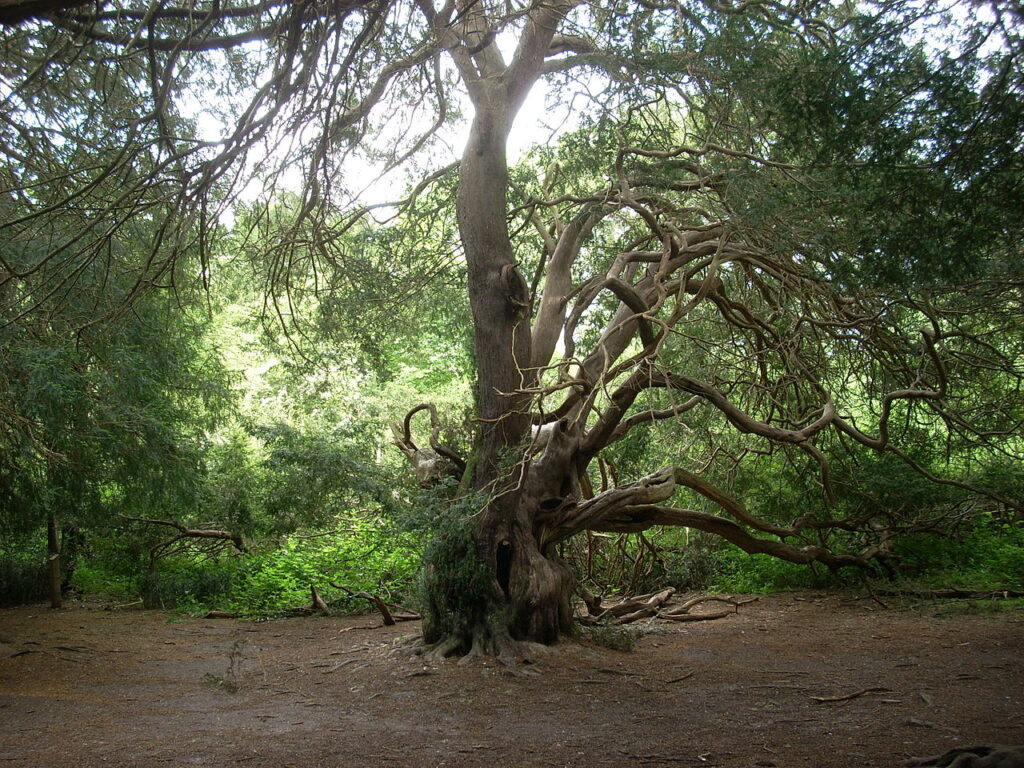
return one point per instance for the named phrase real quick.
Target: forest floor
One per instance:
(148, 688)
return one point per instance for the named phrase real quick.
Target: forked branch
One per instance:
(430, 463)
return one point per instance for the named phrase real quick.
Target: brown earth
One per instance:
(147, 688)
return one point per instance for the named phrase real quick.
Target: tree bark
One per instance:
(497, 292)
(53, 551)
(528, 594)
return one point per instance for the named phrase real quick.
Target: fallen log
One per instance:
(628, 609)
(682, 612)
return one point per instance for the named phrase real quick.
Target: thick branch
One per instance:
(431, 464)
(740, 419)
(558, 286)
(14, 12)
(643, 517)
(192, 533)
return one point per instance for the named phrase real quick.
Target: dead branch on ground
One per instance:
(390, 612)
(854, 695)
(653, 605)
(682, 612)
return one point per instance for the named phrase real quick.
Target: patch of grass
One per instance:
(224, 684)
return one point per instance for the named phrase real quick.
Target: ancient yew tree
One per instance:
(790, 230)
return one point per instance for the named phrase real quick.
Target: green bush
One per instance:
(94, 579)
(695, 567)
(741, 572)
(366, 558)
(185, 583)
(989, 555)
(454, 585)
(24, 577)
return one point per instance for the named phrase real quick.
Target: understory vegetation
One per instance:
(289, 453)
(276, 578)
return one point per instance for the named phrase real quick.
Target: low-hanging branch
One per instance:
(184, 533)
(640, 518)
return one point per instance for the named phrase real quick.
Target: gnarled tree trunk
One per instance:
(528, 594)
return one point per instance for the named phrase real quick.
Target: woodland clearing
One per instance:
(793, 679)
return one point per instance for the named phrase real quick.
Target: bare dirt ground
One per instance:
(147, 688)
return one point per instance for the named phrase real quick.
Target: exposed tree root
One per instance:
(482, 642)
(984, 756)
(442, 649)
(653, 605)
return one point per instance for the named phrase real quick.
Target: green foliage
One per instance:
(693, 565)
(94, 580)
(366, 557)
(987, 555)
(455, 585)
(740, 572)
(108, 418)
(185, 584)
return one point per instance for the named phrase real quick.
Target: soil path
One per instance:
(88, 687)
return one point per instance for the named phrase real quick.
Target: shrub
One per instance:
(24, 577)
(741, 572)
(185, 583)
(454, 584)
(989, 555)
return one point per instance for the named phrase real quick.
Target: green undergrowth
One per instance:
(761, 574)
(431, 564)
(23, 576)
(454, 586)
(989, 555)
(986, 556)
(270, 580)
